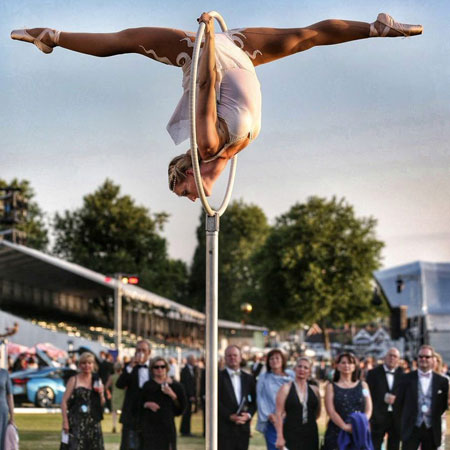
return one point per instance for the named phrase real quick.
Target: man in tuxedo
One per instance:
(422, 397)
(132, 378)
(383, 382)
(257, 366)
(237, 402)
(188, 379)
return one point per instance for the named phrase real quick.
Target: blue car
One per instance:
(44, 387)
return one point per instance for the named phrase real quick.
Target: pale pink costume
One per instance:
(238, 94)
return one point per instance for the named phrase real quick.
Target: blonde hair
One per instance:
(178, 167)
(87, 356)
(439, 362)
(304, 358)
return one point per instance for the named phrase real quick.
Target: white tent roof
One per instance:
(34, 268)
(426, 288)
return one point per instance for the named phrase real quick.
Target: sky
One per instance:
(366, 120)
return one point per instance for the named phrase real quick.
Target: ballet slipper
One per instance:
(23, 35)
(389, 23)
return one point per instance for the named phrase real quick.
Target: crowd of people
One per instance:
(366, 402)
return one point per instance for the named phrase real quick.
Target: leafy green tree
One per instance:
(316, 266)
(109, 233)
(33, 223)
(243, 229)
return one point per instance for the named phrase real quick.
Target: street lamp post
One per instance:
(118, 314)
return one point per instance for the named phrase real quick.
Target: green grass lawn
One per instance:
(43, 432)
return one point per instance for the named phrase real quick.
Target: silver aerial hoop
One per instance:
(212, 252)
(194, 148)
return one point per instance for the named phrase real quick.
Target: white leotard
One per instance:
(238, 94)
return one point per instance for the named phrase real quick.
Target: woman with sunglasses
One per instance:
(343, 396)
(298, 403)
(162, 400)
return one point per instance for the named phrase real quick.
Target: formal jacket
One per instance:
(105, 369)
(407, 401)
(228, 404)
(132, 402)
(378, 385)
(189, 381)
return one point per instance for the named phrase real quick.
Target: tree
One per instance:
(316, 266)
(243, 229)
(34, 222)
(111, 234)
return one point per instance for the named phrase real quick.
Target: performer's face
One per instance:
(187, 188)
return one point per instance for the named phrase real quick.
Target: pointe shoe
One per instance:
(390, 24)
(23, 35)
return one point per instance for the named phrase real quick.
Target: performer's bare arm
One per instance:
(208, 139)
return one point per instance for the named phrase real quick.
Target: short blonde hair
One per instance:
(304, 358)
(178, 167)
(87, 356)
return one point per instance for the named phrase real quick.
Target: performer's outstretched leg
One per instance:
(264, 45)
(166, 45)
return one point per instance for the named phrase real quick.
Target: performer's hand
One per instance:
(152, 405)
(271, 418)
(348, 428)
(207, 20)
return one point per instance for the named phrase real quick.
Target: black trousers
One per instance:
(185, 426)
(420, 436)
(130, 439)
(238, 438)
(389, 428)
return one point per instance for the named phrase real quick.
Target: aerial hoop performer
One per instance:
(228, 114)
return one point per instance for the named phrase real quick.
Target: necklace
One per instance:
(302, 392)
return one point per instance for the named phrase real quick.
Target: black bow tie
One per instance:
(140, 366)
(391, 372)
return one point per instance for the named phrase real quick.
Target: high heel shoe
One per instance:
(390, 24)
(23, 35)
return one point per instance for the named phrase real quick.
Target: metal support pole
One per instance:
(118, 315)
(212, 252)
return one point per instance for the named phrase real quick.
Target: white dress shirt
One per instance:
(425, 381)
(236, 382)
(389, 376)
(143, 373)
